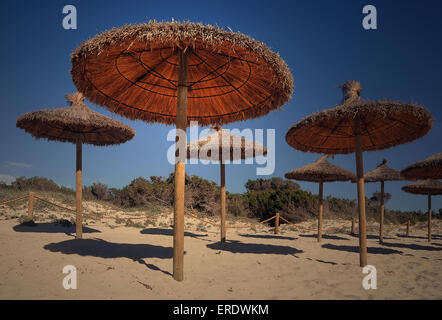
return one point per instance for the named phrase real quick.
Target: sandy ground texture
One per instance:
(115, 261)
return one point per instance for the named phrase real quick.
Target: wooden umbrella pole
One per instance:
(223, 202)
(381, 218)
(321, 209)
(361, 198)
(429, 217)
(180, 167)
(31, 206)
(78, 192)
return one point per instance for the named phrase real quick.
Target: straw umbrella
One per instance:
(356, 126)
(430, 168)
(429, 187)
(77, 124)
(320, 171)
(173, 73)
(381, 174)
(229, 147)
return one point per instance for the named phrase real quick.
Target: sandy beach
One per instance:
(114, 261)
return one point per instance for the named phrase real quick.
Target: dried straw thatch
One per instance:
(321, 171)
(73, 123)
(383, 124)
(233, 147)
(430, 168)
(383, 173)
(133, 70)
(428, 186)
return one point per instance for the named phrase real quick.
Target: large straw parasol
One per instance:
(320, 171)
(429, 187)
(356, 126)
(430, 168)
(381, 174)
(174, 73)
(77, 124)
(229, 147)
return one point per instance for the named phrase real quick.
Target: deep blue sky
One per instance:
(323, 43)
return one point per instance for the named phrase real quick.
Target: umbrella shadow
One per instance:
(371, 236)
(50, 227)
(324, 236)
(411, 246)
(169, 232)
(355, 249)
(235, 246)
(267, 236)
(110, 250)
(433, 236)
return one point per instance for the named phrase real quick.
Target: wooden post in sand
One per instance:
(222, 188)
(353, 226)
(429, 217)
(180, 167)
(78, 192)
(223, 202)
(381, 218)
(277, 223)
(361, 196)
(31, 206)
(321, 210)
(408, 228)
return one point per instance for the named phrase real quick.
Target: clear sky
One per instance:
(323, 43)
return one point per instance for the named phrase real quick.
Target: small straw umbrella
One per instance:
(381, 174)
(77, 124)
(229, 147)
(430, 168)
(174, 73)
(429, 187)
(356, 126)
(320, 171)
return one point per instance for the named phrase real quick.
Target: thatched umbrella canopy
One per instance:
(356, 126)
(77, 124)
(173, 73)
(430, 168)
(320, 171)
(381, 174)
(228, 147)
(429, 187)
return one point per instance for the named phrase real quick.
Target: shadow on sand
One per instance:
(433, 236)
(371, 236)
(169, 232)
(103, 249)
(370, 250)
(411, 246)
(267, 236)
(49, 227)
(235, 246)
(324, 236)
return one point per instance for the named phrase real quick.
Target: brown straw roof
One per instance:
(430, 168)
(237, 147)
(320, 171)
(75, 122)
(429, 186)
(383, 124)
(383, 173)
(133, 71)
